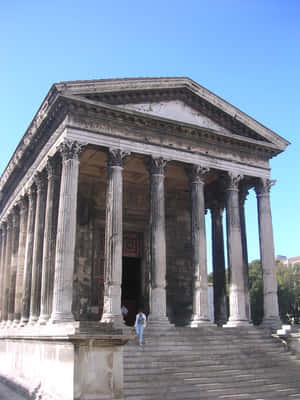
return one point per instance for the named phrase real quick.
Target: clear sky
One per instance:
(247, 52)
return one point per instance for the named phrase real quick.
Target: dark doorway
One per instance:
(131, 287)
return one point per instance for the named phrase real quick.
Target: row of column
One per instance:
(239, 302)
(38, 245)
(239, 296)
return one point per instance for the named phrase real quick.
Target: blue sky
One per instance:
(247, 52)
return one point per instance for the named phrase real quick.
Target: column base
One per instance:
(43, 319)
(237, 323)
(24, 321)
(198, 322)
(272, 323)
(158, 323)
(57, 318)
(116, 321)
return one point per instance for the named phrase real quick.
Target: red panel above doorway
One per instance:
(131, 244)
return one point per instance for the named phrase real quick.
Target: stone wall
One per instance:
(179, 265)
(64, 369)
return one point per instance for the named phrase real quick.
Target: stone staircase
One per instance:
(209, 363)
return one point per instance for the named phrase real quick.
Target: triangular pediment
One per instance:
(176, 99)
(176, 110)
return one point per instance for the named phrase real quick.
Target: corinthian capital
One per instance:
(115, 157)
(70, 150)
(52, 167)
(31, 193)
(263, 186)
(197, 173)
(40, 179)
(157, 165)
(233, 179)
(244, 192)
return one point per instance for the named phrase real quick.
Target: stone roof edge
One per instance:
(132, 84)
(30, 133)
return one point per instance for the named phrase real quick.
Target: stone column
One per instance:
(28, 255)
(7, 266)
(14, 262)
(158, 299)
(200, 290)
(237, 298)
(3, 256)
(48, 264)
(66, 234)
(35, 299)
(271, 309)
(218, 258)
(242, 198)
(113, 238)
(23, 205)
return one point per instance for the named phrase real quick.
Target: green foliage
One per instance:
(256, 291)
(288, 278)
(210, 278)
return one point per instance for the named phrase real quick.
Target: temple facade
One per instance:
(103, 204)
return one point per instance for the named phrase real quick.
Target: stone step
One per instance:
(199, 344)
(214, 380)
(209, 364)
(261, 393)
(224, 358)
(250, 386)
(148, 375)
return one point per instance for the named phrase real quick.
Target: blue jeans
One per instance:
(139, 331)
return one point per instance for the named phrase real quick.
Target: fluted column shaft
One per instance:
(66, 234)
(242, 198)
(7, 266)
(218, 258)
(271, 309)
(14, 263)
(237, 298)
(113, 238)
(51, 216)
(28, 255)
(3, 257)
(35, 300)
(23, 204)
(158, 239)
(200, 290)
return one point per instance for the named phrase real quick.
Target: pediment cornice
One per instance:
(98, 110)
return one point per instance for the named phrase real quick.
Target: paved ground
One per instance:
(8, 394)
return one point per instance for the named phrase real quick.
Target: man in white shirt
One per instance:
(140, 324)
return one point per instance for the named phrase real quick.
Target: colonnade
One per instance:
(38, 237)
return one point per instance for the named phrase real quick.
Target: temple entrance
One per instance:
(131, 287)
